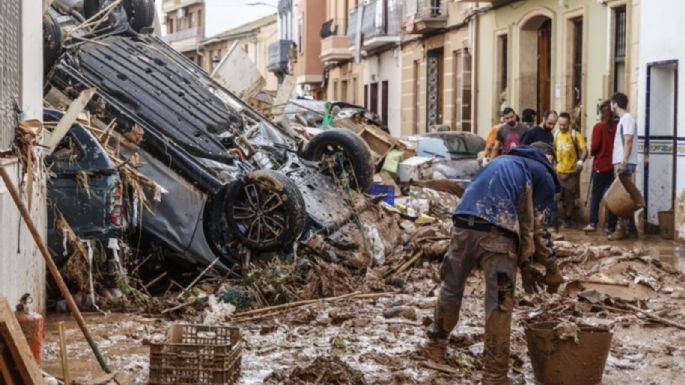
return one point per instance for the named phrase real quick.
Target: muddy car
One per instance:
(232, 177)
(86, 189)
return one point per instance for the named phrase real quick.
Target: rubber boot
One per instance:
(497, 334)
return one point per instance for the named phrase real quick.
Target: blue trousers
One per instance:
(601, 181)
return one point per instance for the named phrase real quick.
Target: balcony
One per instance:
(279, 56)
(423, 16)
(380, 24)
(334, 44)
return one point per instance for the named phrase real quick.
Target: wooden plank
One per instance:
(13, 338)
(68, 119)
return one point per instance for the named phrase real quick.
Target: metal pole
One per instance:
(53, 270)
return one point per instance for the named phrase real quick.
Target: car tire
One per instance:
(52, 42)
(354, 150)
(141, 13)
(250, 198)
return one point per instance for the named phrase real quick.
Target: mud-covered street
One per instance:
(374, 341)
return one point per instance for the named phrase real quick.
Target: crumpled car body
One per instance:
(194, 138)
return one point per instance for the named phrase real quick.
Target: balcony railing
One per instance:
(182, 35)
(379, 19)
(279, 56)
(422, 16)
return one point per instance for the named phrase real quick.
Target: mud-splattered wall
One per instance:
(21, 267)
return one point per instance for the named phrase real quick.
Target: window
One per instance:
(619, 49)
(366, 96)
(191, 20)
(502, 69)
(335, 90)
(354, 91)
(385, 93)
(343, 91)
(199, 18)
(577, 61)
(417, 90)
(170, 25)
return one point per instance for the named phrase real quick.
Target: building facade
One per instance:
(254, 38)
(565, 55)
(436, 67)
(660, 100)
(22, 269)
(185, 22)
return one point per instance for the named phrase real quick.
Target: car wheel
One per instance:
(265, 210)
(52, 42)
(344, 152)
(141, 13)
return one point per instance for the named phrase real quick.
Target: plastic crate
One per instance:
(196, 355)
(383, 189)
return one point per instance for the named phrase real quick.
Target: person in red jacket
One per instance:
(602, 168)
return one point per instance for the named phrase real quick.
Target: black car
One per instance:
(231, 175)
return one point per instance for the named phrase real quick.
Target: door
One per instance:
(384, 103)
(660, 154)
(544, 66)
(374, 98)
(434, 88)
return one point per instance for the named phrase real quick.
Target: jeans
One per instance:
(601, 181)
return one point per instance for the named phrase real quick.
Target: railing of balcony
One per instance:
(279, 55)
(379, 18)
(426, 9)
(182, 35)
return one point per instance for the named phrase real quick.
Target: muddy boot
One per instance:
(433, 350)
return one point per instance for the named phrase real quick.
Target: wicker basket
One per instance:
(196, 355)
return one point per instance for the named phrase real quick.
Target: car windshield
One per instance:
(450, 146)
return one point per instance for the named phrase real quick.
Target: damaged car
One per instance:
(231, 176)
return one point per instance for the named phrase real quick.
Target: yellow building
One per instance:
(566, 55)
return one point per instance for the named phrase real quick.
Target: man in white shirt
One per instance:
(624, 156)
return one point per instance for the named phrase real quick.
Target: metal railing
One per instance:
(379, 18)
(279, 55)
(426, 9)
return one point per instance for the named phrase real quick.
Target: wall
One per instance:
(596, 56)
(663, 21)
(386, 66)
(22, 269)
(309, 67)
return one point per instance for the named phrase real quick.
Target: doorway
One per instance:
(434, 88)
(661, 141)
(535, 63)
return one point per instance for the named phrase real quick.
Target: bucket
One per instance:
(666, 224)
(557, 362)
(623, 198)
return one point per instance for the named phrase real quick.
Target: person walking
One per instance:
(571, 152)
(500, 224)
(624, 157)
(601, 149)
(543, 132)
(529, 117)
(509, 134)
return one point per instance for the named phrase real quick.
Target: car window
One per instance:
(67, 151)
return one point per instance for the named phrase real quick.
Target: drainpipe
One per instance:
(473, 48)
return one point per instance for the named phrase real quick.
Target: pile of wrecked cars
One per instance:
(230, 176)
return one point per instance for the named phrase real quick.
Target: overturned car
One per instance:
(231, 176)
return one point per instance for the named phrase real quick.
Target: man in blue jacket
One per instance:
(501, 224)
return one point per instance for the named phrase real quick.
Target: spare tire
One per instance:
(52, 42)
(265, 210)
(140, 13)
(346, 153)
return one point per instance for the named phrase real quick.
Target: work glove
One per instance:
(531, 279)
(553, 278)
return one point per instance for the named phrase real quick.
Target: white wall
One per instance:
(660, 27)
(22, 269)
(386, 66)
